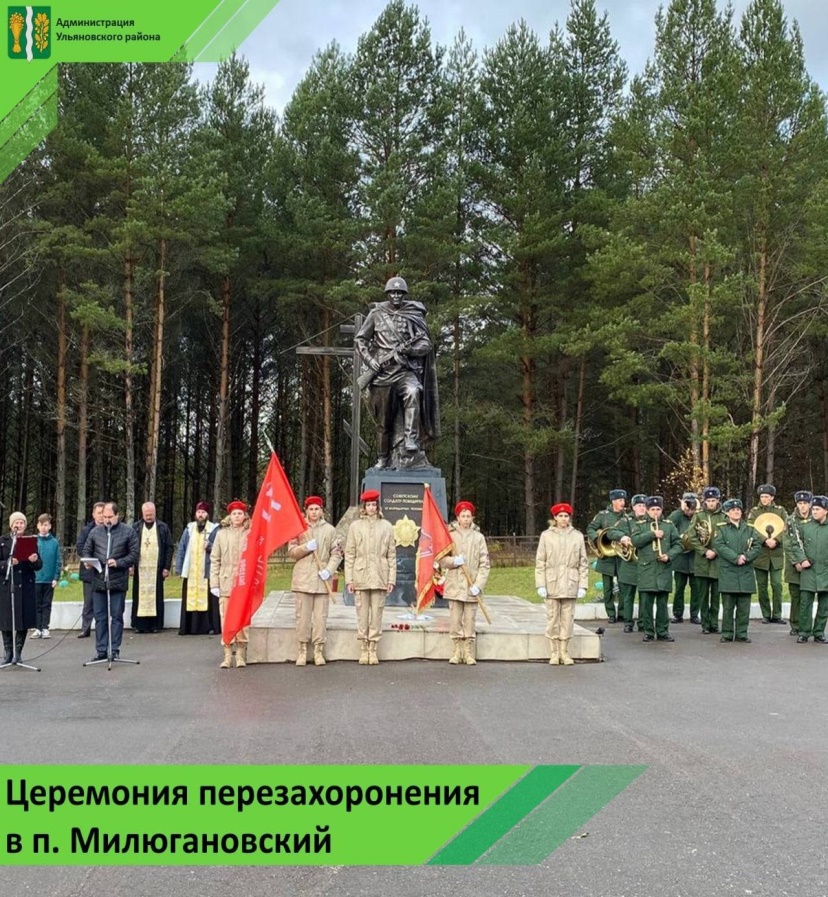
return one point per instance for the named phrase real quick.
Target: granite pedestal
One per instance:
(516, 633)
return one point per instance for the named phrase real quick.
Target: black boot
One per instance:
(7, 646)
(19, 641)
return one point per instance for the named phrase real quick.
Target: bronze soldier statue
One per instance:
(401, 377)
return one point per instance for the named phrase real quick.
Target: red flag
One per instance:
(435, 543)
(276, 519)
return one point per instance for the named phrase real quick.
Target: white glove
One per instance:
(459, 560)
(581, 593)
(542, 592)
(324, 575)
(312, 545)
(474, 590)
(215, 592)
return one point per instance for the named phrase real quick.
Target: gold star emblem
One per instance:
(406, 532)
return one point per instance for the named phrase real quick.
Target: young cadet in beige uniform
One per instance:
(370, 572)
(224, 562)
(470, 551)
(317, 553)
(561, 576)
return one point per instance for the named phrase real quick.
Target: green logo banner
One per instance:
(298, 815)
(40, 37)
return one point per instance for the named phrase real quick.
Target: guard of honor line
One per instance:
(706, 548)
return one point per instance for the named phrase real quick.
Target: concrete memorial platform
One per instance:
(516, 633)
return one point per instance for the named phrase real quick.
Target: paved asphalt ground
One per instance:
(735, 736)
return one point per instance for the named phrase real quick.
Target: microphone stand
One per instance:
(109, 659)
(15, 661)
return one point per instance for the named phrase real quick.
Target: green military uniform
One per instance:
(769, 565)
(736, 582)
(793, 535)
(607, 567)
(813, 580)
(683, 575)
(706, 571)
(627, 572)
(655, 577)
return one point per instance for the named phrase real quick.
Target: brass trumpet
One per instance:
(654, 526)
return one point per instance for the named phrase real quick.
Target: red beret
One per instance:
(314, 500)
(236, 506)
(463, 506)
(204, 506)
(369, 495)
(561, 508)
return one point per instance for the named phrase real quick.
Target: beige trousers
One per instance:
(242, 635)
(369, 606)
(560, 617)
(462, 615)
(311, 617)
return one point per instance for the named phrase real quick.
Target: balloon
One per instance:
(63, 583)
(74, 577)
(599, 586)
(595, 565)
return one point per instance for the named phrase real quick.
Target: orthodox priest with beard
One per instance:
(155, 551)
(199, 607)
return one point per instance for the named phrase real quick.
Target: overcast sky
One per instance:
(282, 47)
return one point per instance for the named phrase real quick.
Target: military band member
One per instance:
(771, 560)
(737, 545)
(627, 569)
(607, 567)
(812, 558)
(470, 551)
(561, 577)
(683, 564)
(793, 534)
(657, 542)
(706, 564)
(370, 572)
(318, 554)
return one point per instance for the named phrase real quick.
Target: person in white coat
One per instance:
(561, 577)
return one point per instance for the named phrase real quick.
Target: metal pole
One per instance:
(355, 418)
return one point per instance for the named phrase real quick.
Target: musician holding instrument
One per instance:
(812, 557)
(769, 564)
(706, 566)
(793, 534)
(737, 545)
(627, 562)
(658, 543)
(401, 377)
(607, 562)
(684, 563)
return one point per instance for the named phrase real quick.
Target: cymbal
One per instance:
(769, 524)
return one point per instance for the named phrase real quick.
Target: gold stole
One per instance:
(197, 585)
(148, 572)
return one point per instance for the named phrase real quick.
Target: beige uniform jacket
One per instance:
(561, 565)
(305, 572)
(471, 545)
(370, 554)
(225, 556)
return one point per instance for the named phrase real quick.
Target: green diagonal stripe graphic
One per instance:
(236, 30)
(502, 816)
(562, 815)
(211, 26)
(28, 136)
(27, 107)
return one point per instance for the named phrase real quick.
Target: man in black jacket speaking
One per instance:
(115, 546)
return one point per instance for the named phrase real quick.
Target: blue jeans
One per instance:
(116, 606)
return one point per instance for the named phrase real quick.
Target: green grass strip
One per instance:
(506, 812)
(566, 811)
